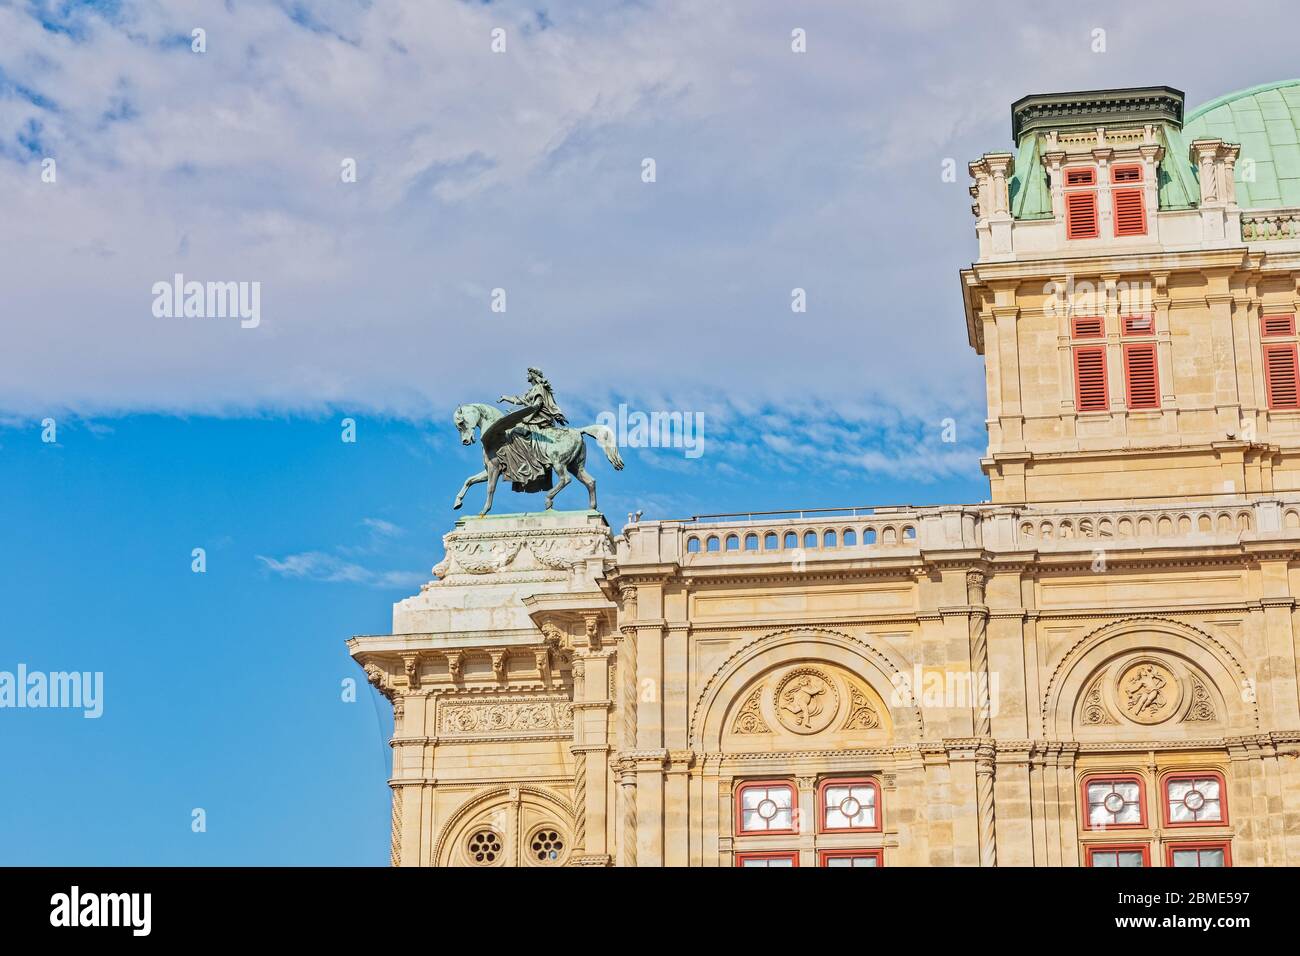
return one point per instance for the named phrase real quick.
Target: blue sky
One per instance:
(476, 171)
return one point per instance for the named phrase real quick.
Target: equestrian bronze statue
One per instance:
(529, 444)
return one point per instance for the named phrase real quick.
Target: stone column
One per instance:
(591, 745)
(626, 771)
(807, 819)
(726, 789)
(981, 716)
(677, 805)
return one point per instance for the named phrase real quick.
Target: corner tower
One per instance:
(1137, 323)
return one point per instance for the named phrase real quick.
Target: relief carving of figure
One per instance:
(803, 699)
(1145, 691)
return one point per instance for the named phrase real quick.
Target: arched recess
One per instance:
(513, 813)
(722, 693)
(1178, 654)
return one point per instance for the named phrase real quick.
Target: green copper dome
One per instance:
(1264, 121)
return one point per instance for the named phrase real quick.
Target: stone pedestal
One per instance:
(497, 671)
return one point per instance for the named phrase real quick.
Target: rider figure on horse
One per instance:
(531, 444)
(539, 394)
(521, 459)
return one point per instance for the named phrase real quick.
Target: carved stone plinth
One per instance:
(484, 669)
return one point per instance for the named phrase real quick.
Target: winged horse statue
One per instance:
(529, 444)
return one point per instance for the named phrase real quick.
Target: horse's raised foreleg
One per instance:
(493, 473)
(471, 480)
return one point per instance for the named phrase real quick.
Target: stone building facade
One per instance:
(1098, 667)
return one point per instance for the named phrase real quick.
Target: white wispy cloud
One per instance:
(330, 568)
(381, 528)
(522, 171)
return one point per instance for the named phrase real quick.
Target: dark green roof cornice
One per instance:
(1093, 108)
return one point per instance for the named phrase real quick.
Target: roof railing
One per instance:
(864, 511)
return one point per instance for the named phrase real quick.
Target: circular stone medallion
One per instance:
(806, 700)
(1149, 692)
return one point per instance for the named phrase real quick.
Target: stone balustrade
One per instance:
(897, 532)
(1269, 226)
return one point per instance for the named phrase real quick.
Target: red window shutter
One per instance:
(1126, 174)
(1090, 378)
(1280, 376)
(1087, 327)
(1080, 177)
(1140, 375)
(1081, 215)
(1139, 325)
(1130, 214)
(1278, 324)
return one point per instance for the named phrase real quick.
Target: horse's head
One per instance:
(465, 419)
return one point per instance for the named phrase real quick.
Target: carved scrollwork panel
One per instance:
(510, 716)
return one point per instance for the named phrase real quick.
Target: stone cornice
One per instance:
(1192, 260)
(763, 625)
(823, 569)
(1093, 108)
(1146, 610)
(479, 785)
(964, 610)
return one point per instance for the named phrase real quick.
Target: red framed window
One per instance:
(1119, 854)
(1087, 326)
(780, 858)
(1114, 801)
(1199, 854)
(1130, 212)
(835, 858)
(1127, 205)
(1081, 215)
(1090, 393)
(1081, 203)
(1281, 375)
(765, 806)
(849, 805)
(1277, 325)
(1140, 378)
(1195, 799)
(1138, 325)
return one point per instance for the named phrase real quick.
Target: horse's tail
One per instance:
(608, 443)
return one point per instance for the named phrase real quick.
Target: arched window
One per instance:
(692, 545)
(829, 539)
(1195, 800)
(767, 810)
(1119, 830)
(765, 806)
(848, 805)
(1114, 801)
(751, 542)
